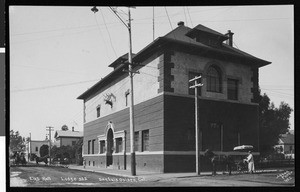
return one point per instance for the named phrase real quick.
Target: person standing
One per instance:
(250, 161)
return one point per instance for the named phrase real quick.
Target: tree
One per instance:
(17, 142)
(64, 128)
(272, 123)
(78, 151)
(44, 150)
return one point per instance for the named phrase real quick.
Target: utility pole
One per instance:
(49, 129)
(29, 147)
(195, 86)
(153, 23)
(131, 108)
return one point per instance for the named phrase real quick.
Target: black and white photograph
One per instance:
(150, 96)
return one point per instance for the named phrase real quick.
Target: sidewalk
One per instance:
(150, 176)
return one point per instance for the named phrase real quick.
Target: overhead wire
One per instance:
(190, 16)
(169, 18)
(52, 86)
(108, 33)
(102, 37)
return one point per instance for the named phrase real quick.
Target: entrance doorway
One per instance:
(110, 146)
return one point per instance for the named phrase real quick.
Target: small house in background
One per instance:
(286, 145)
(33, 147)
(65, 138)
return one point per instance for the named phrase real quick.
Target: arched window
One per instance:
(214, 80)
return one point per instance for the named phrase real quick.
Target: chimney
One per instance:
(229, 41)
(72, 128)
(180, 23)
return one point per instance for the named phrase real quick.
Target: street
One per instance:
(46, 176)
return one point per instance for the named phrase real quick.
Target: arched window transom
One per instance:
(214, 80)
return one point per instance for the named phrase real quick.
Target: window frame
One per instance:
(119, 145)
(145, 140)
(136, 140)
(102, 147)
(234, 87)
(214, 79)
(98, 111)
(89, 146)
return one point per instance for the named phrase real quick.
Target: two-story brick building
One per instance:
(164, 106)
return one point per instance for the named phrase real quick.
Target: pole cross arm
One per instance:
(195, 78)
(197, 85)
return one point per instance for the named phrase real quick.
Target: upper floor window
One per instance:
(192, 75)
(98, 110)
(232, 89)
(214, 80)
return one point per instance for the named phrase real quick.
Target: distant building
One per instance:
(65, 138)
(164, 106)
(33, 147)
(286, 145)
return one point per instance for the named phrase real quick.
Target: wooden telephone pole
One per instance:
(195, 86)
(49, 129)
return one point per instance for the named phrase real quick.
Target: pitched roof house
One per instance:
(164, 105)
(65, 138)
(287, 144)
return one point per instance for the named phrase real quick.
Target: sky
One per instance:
(57, 53)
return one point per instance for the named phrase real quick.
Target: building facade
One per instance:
(164, 105)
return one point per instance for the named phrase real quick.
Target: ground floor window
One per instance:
(89, 147)
(102, 146)
(119, 146)
(136, 140)
(145, 140)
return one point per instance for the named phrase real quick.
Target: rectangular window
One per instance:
(93, 146)
(136, 141)
(36, 149)
(102, 146)
(98, 111)
(94, 163)
(232, 89)
(192, 75)
(89, 147)
(119, 146)
(145, 140)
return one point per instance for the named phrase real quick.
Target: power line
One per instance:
(168, 18)
(185, 16)
(40, 68)
(53, 86)
(108, 33)
(190, 16)
(101, 36)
